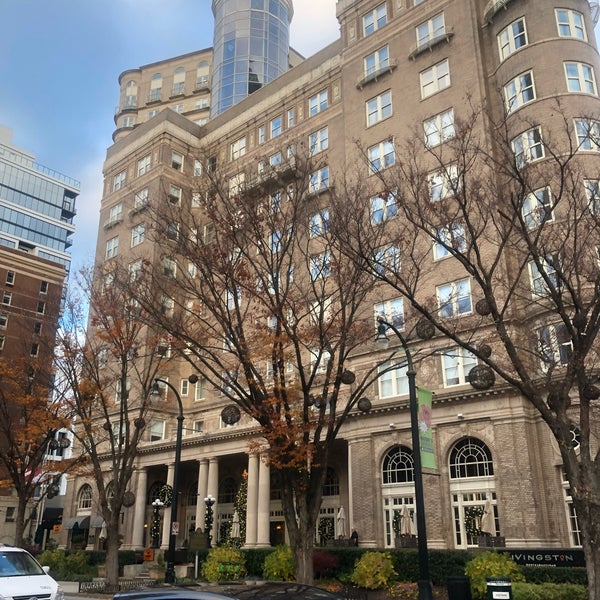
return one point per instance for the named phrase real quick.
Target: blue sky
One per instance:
(59, 65)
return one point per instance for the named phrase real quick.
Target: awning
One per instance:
(81, 522)
(52, 515)
(96, 522)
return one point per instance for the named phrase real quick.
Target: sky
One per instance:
(59, 66)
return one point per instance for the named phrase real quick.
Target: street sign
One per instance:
(175, 528)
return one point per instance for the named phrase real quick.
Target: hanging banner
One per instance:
(424, 401)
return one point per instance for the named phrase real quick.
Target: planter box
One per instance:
(491, 541)
(406, 541)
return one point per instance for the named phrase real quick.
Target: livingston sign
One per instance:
(550, 557)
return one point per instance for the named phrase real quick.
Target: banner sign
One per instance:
(552, 557)
(424, 400)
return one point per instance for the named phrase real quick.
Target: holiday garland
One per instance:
(396, 522)
(473, 516)
(326, 528)
(166, 495)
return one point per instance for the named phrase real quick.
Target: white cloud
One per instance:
(314, 25)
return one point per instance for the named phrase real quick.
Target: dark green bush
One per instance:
(68, 566)
(548, 591)
(255, 561)
(555, 575)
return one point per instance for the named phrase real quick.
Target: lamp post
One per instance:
(155, 530)
(170, 566)
(425, 590)
(208, 519)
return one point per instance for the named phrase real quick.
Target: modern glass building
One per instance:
(37, 204)
(251, 47)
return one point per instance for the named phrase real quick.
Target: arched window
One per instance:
(179, 81)
(202, 75)
(331, 487)
(84, 497)
(155, 87)
(131, 94)
(470, 457)
(110, 491)
(192, 494)
(153, 492)
(227, 491)
(398, 466)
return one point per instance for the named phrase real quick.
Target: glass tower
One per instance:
(251, 47)
(37, 204)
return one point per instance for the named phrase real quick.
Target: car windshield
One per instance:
(14, 564)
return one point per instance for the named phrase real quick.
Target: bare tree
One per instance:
(270, 314)
(106, 370)
(518, 219)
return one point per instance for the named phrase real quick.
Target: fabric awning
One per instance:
(81, 522)
(52, 514)
(96, 522)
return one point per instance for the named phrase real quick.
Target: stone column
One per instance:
(166, 531)
(213, 490)
(252, 505)
(202, 492)
(139, 517)
(263, 538)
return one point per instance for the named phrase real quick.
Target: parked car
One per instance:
(22, 576)
(267, 590)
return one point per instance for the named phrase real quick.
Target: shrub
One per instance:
(324, 564)
(279, 565)
(68, 566)
(491, 564)
(374, 570)
(549, 591)
(555, 575)
(404, 591)
(224, 564)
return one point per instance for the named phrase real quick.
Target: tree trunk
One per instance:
(303, 557)
(112, 557)
(590, 526)
(20, 521)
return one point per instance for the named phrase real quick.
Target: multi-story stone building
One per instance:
(400, 66)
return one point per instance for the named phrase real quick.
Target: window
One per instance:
(127, 121)
(275, 159)
(275, 241)
(454, 298)
(320, 265)
(319, 180)
(7, 298)
(537, 208)
(153, 113)
(41, 307)
(144, 165)
(178, 81)
(398, 466)
(173, 231)
(236, 184)
(511, 38)
(276, 126)
(197, 168)
(443, 183)
(119, 394)
(319, 223)
(379, 108)
(169, 266)
(3, 320)
(84, 497)
(387, 258)
(208, 233)
(435, 78)
(318, 103)
(202, 72)
(439, 128)
(470, 458)
(1, 342)
(43, 287)
(10, 278)
(383, 207)
(115, 214)
(238, 148)
(588, 134)
(528, 147)
(318, 141)
(155, 88)
(519, 91)
(570, 24)
(392, 381)
(112, 247)
(174, 195)
(456, 364)
(377, 62)
(540, 280)
(138, 233)
(449, 236)
(555, 345)
(167, 305)
(34, 350)
(141, 198)
(119, 181)
(592, 191)
(580, 78)
(381, 156)
(198, 427)
(391, 311)
(261, 134)
(374, 20)
(291, 117)
(200, 389)
(135, 269)
(177, 161)
(157, 430)
(319, 361)
(430, 30)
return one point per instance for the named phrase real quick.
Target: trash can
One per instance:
(459, 587)
(499, 588)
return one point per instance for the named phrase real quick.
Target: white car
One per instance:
(21, 576)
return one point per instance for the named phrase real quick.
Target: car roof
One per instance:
(256, 590)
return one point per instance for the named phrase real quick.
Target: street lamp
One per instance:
(170, 566)
(425, 590)
(208, 518)
(155, 530)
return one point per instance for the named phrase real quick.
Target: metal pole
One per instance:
(425, 589)
(170, 562)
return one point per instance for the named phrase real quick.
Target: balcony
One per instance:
(110, 223)
(445, 36)
(376, 75)
(492, 7)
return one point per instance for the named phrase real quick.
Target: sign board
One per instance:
(424, 400)
(175, 528)
(56, 528)
(148, 554)
(197, 541)
(548, 557)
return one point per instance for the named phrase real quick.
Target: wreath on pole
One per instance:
(473, 516)
(396, 522)
(165, 495)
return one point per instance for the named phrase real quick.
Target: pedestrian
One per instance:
(354, 538)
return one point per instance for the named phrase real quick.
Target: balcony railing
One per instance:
(445, 36)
